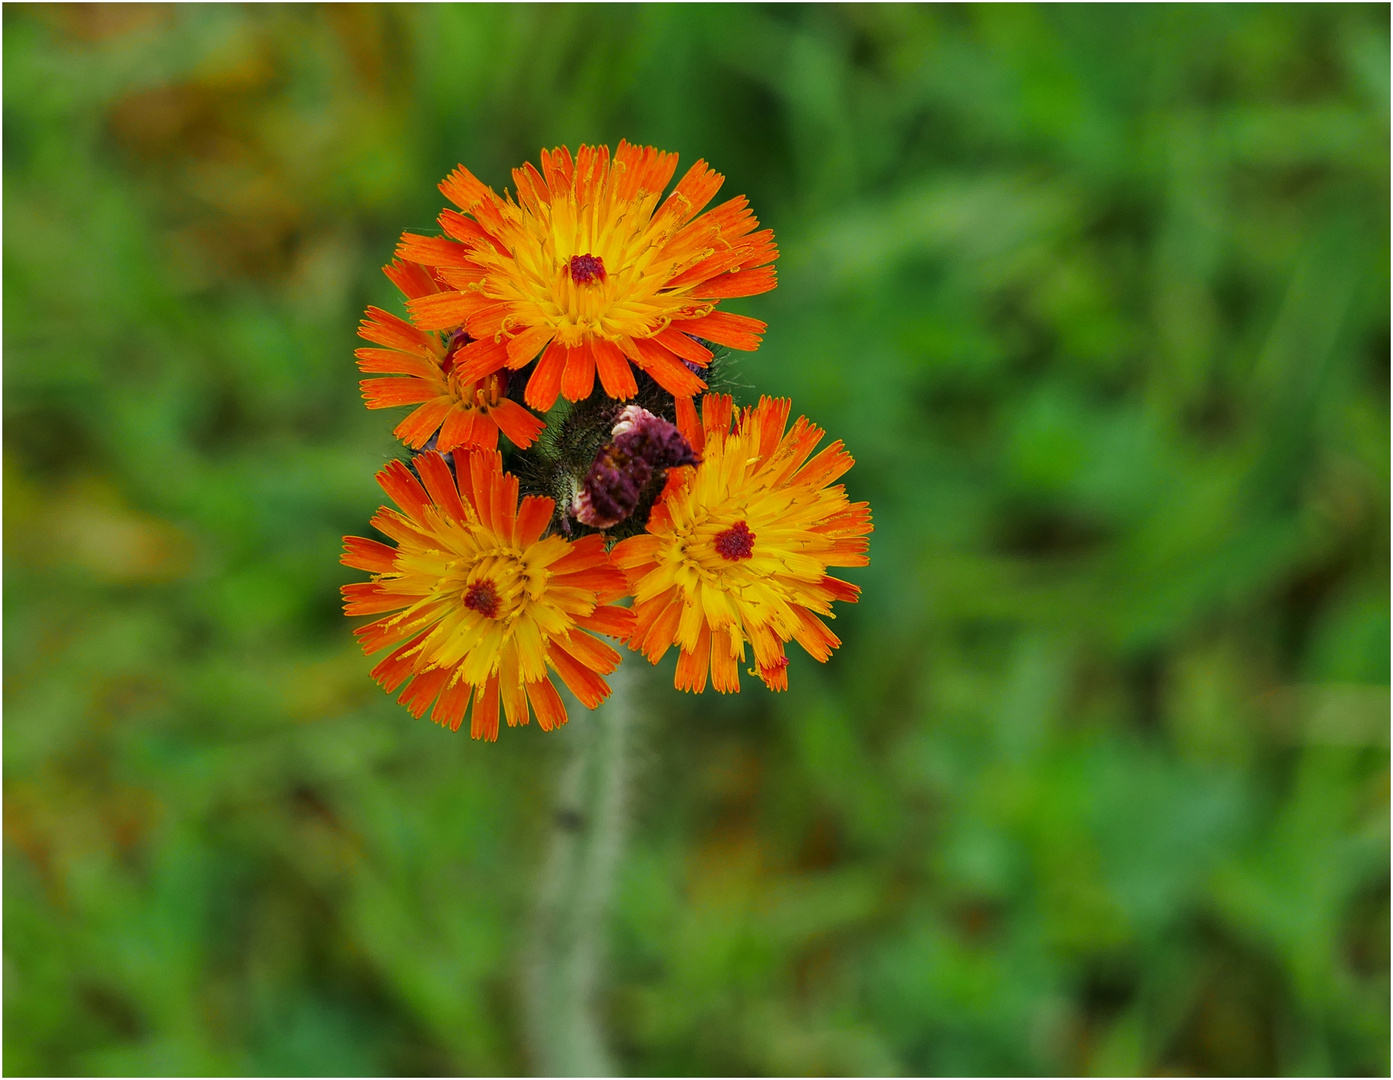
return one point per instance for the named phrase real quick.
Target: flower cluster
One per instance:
(719, 528)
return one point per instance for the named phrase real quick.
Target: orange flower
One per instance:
(737, 548)
(587, 270)
(484, 605)
(466, 412)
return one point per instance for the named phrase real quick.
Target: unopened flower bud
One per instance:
(639, 433)
(642, 446)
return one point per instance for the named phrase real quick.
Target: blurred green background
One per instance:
(1099, 781)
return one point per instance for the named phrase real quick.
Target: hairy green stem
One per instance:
(567, 944)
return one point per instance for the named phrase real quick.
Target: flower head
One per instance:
(586, 269)
(465, 412)
(483, 606)
(737, 549)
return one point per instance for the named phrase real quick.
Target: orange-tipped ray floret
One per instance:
(737, 548)
(483, 606)
(465, 412)
(588, 271)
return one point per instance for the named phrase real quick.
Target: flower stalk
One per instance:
(563, 967)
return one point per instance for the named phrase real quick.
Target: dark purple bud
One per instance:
(612, 489)
(641, 434)
(643, 446)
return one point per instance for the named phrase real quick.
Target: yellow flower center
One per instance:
(497, 582)
(590, 271)
(717, 549)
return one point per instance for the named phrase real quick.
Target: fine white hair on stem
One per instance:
(563, 964)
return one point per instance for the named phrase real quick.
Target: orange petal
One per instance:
(484, 469)
(525, 347)
(635, 551)
(592, 652)
(404, 489)
(772, 416)
(745, 283)
(417, 428)
(641, 170)
(384, 632)
(684, 346)
(547, 704)
(392, 671)
(386, 329)
(372, 598)
(531, 189)
(687, 424)
(596, 578)
(516, 422)
(533, 517)
(440, 311)
(505, 504)
(615, 374)
(668, 371)
(395, 362)
(840, 590)
(459, 429)
(440, 485)
(514, 701)
(776, 677)
(579, 377)
(390, 392)
(716, 413)
(559, 169)
(724, 328)
(480, 358)
(434, 251)
(661, 634)
(587, 686)
(450, 708)
(725, 672)
(370, 555)
(692, 666)
(584, 553)
(814, 636)
(829, 464)
(471, 234)
(462, 278)
(422, 690)
(607, 619)
(463, 188)
(545, 383)
(483, 722)
(697, 188)
(411, 278)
